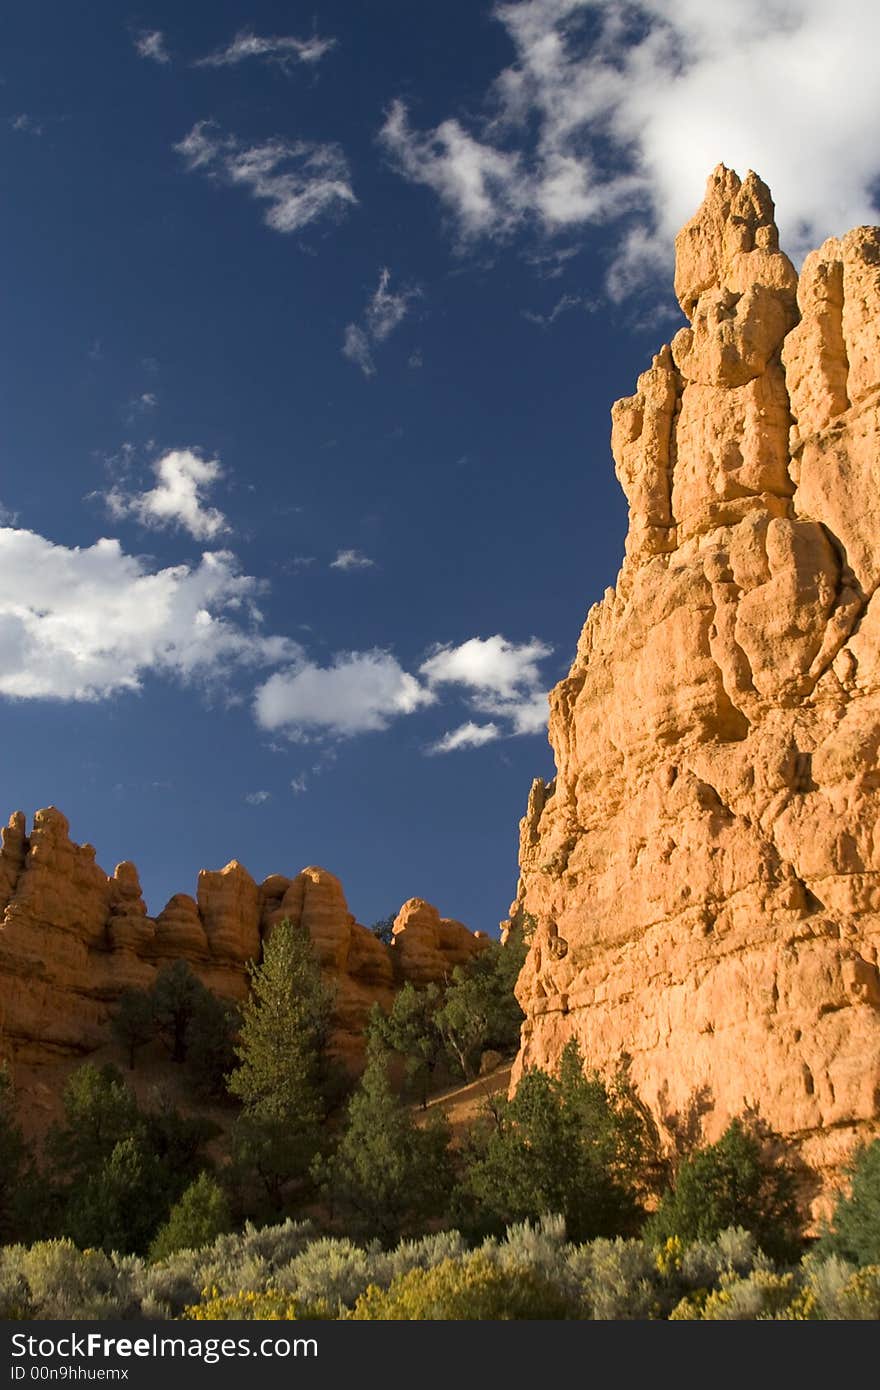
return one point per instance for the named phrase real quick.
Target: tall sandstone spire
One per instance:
(704, 870)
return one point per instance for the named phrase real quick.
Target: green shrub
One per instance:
(387, 1175)
(196, 1219)
(763, 1296)
(62, 1282)
(269, 1306)
(734, 1182)
(854, 1231)
(617, 1279)
(474, 1288)
(568, 1144)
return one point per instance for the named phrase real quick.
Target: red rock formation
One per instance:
(705, 868)
(72, 939)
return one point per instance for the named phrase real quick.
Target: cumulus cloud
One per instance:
(469, 735)
(351, 560)
(361, 692)
(282, 49)
(150, 43)
(84, 624)
(611, 111)
(501, 678)
(178, 500)
(385, 311)
(300, 181)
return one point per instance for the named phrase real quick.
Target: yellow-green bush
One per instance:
(475, 1288)
(273, 1305)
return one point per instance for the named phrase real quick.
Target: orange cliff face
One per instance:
(704, 870)
(72, 939)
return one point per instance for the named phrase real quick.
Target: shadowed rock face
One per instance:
(704, 869)
(72, 939)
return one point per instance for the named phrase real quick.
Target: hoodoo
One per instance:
(704, 869)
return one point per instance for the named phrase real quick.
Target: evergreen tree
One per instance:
(176, 997)
(116, 1168)
(134, 1022)
(388, 1175)
(480, 1009)
(568, 1145)
(854, 1231)
(411, 1029)
(119, 1205)
(197, 1218)
(734, 1182)
(283, 1028)
(210, 1045)
(20, 1199)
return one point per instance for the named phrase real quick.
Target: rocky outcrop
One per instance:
(72, 939)
(704, 870)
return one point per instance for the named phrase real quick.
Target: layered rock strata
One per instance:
(704, 870)
(72, 939)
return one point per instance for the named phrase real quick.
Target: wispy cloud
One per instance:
(300, 181)
(25, 124)
(281, 49)
(563, 305)
(469, 735)
(257, 798)
(611, 112)
(356, 347)
(361, 692)
(85, 624)
(385, 311)
(183, 478)
(299, 785)
(150, 43)
(352, 560)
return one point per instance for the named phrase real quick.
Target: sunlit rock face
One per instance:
(72, 939)
(704, 869)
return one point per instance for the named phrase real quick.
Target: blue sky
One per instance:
(312, 319)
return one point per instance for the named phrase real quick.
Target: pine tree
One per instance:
(411, 1029)
(734, 1182)
(388, 1175)
(134, 1022)
(277, 1080)
(196, 1219)
(568, 1145)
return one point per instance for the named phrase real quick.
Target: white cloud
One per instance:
(469, 735)
(563, 304)
(487, 664)
(282, 49)
(356, 347)
(178, 499)
(621, 111)
(360, 693)
(7, 517)
(352, 560)
(257, 798)
(387, 308)
(150, 43)
(83, 624)
(503, 678)
(300, 180)
(299, 785)
(385, 311)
